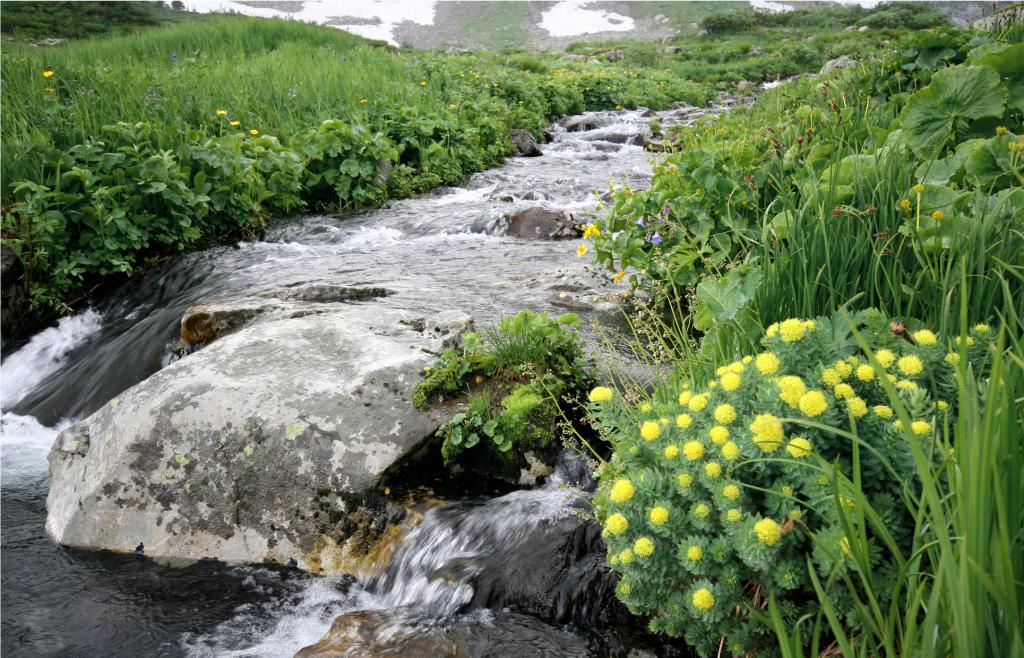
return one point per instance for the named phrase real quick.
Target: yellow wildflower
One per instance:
(731, 491)
(713, 469)
(703, 599)
(47, 74)
(684, 480)
(920, 427)
(843, 368)
(981, 328)
(683, 421)
(616, 524)
(772, 330)
(254, 132)
(650, 430)
(222, 113)
(885, 358)
(905, 204)
(693, 450)
(731, 451)
(831, 377)
(618, 277)
(725, 414)
(734, 515)
(909, 365)
(622, 491)
(942, 405)
(792, 330)
(843, 391)
(694, 554)
(767, 363)
(235, 122)
(731, 381)
(924, 337)
(858, 408)
(590, 231)
(643, 547)
(906, 385)
(952, 358)
(658, 516)
(719, 435)
(698, 402)
(865, 373)
(768, 532)
(671, 452)
(813, 403)
(768, 434)
(684, 397)
(626, 556)
(702, 511)
(582, 250)
(601, 394)
(918, 189)
(799, 447)
(1001, 130)
(937, 215)
(792, 388)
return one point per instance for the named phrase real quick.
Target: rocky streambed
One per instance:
(250, 405)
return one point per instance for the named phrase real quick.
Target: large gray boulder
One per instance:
(257, 447)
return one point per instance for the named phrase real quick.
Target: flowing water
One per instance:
(444, 250)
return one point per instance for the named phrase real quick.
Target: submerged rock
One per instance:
(487, 634)
(540, 223)
(525, 143)
(258, 447)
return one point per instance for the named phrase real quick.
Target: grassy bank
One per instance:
(122, 148)
(836, 275)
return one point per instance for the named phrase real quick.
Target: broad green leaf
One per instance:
(955, 95)
(725, 297)
(1008, 61)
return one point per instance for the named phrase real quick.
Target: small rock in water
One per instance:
(540, 223)
(525, 143)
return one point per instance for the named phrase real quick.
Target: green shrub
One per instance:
(515, 379)
(716, 498)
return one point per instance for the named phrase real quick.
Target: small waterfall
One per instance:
(44, 355)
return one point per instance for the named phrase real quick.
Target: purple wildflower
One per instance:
(640, 222)
(174, 56)
(656, 239)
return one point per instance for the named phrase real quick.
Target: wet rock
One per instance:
(658, 143)
(525, 143)
(486, 634)
(581, 123)
(843, 62)
(201, 324)
(326, 294)
(745, 84)
(610, 136)
(539, 223)
(13, 298)
(259, 447)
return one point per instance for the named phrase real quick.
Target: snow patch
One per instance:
(571, 18)
(381, 16)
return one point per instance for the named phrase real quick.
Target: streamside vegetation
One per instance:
(836, 273)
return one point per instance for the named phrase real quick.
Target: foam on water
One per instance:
(43, 355)
(413, 589)
(24, 444)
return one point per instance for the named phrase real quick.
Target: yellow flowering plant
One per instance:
(706, 517)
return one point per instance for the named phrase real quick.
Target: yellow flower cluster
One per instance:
(703, 599)
(799, 447)
(616, 524)
(792, 389)
(768, 434)
(643, 547)
(601, 394)
(693, 450)
(719, 435)
(725, 414)
(650, 430)
(813, 404)
(767, 363)
(768, 532)
(622, 491)
(658, 515)
(683, 421)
